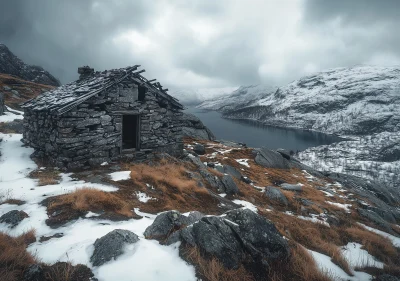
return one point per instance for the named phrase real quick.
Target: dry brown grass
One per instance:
(46, 177)
(90, 199)
(173, 187)
(213, 270)
(378, 246)
(14, 258)
(300, 267)
(13, 202)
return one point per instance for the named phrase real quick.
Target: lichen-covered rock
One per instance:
(239, 235)
(13, 218)
(111, 245)
(270, 159)
(275, 194)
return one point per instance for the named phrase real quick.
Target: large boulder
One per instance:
(238, 236)
(270, 159)
(232, 171)
(230, 185)
(13, 218)
(111, 245)
(275, 194)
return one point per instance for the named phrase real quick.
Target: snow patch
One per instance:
(120, 176)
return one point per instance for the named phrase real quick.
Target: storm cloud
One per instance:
(202, 43)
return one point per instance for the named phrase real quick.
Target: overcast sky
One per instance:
(203, 43)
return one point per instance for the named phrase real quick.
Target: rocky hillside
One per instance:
(362, 103)
(222, 212)
(12, 65)
(16, 90)
(193, 127)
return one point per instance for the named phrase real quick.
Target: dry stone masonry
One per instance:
(102, 117)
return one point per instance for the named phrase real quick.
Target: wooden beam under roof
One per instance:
(138, 72)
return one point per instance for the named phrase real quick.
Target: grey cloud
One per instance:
(62, 35)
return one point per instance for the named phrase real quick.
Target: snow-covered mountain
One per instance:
(361, 102)
(12, 65)
(239, 98)
(348, 101)
(196, 96)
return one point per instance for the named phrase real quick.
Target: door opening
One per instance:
(130, 131)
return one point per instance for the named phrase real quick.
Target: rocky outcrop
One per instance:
(11, 64)
(270, 159)
(193, 127)
(199, 149)
(13, 218)
(237, 236)
(168, 222)
(111, 246)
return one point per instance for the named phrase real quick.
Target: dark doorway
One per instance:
(130, 131)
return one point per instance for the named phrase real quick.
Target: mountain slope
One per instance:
(348, 101)
(16, 90)
(12, 65)
(362, 103)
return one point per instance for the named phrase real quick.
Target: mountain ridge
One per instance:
(10, 64)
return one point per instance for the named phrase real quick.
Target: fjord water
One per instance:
(255, 134)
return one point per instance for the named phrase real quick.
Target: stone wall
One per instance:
(2, 107)
(91, 133)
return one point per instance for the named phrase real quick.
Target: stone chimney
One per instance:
(85, 72)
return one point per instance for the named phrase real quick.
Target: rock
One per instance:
(246, 180)
(220, 169)
(168, 222)
(193, 127)
(239, 236)
(306, 202)
(111, 245)
(164, 224)
(232, 171)
(275, 194)
(375, 218)
(13, 217)
(10, 64)
(34, 273)
(387, 277)
(292, 187)
(230, 185)
(271, 159)
(285, 154)
(199, 149)
(210, 164)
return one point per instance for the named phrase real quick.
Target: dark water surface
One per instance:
(255, 134)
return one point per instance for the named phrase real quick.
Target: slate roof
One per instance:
(66, 97)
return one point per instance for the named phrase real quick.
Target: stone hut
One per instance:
(102, 117)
